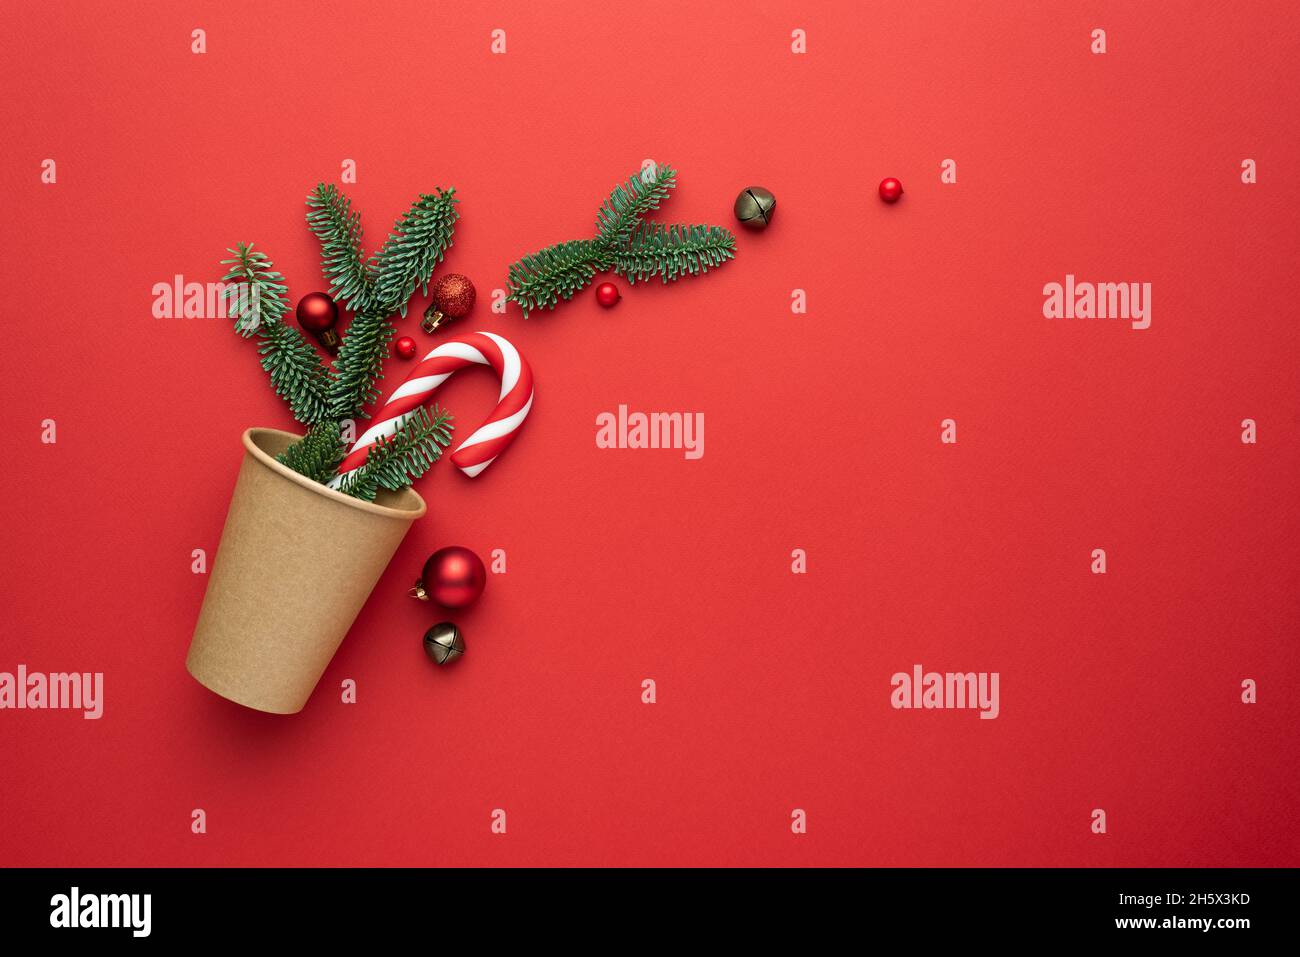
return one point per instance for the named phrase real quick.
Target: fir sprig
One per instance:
(318, 453)
(539, 281)
(396, 462)
(619, 215)
(359, 365)
(625, 242)
(295, 369)
(338, 228)
(673, 251)
(297, 374)
(259, 295)
(418, 243)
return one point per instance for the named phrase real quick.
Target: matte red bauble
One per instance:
(318, 314)
(453, 577)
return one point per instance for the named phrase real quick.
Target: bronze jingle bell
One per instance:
(444, 643)
(755, 207)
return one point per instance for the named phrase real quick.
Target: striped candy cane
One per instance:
(477, 452)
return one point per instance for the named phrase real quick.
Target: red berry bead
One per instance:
(890, 190)
(405, 347)
(607, 294)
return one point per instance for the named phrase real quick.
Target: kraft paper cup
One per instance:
(296, 563)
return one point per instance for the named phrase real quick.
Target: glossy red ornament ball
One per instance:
(405, 347)
(607, 294)
(454, 295)
(317, 312)
(890, 190)
(453, 577)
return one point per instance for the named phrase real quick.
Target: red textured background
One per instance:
(822, 432)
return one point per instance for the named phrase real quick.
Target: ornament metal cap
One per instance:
(330, 340)
(417, 590)
(433, 318)
(443, 643)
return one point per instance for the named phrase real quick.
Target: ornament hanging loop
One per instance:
(417, 590)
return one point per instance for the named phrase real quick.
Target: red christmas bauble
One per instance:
(890, 190)
(453, 576)
(405, 347)
(317, 312)
(607, 294)
(454, 295)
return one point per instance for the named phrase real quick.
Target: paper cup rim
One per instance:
(414, 510)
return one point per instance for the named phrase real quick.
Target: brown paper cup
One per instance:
(296, 563)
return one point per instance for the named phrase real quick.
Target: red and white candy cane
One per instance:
(477, 452)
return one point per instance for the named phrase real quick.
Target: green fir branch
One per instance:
(338, 228)
(410, 253)
(373, 289)
(297, 374)
(621, 213)
(671, 252)
(359, 365)
(396, 462)
(379, 287)
(294, 366)
(632, 247)
(318, 454)
(260, 295)
(539, 281)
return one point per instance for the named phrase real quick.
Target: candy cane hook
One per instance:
(478, 451)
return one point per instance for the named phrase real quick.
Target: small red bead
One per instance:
(607, 294)
(890, 190)
(405, 347)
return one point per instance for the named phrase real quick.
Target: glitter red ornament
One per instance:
(453, 297)
(453, 577)
(890, 190)
(405, 347)
(607, 294)
(318, 314)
